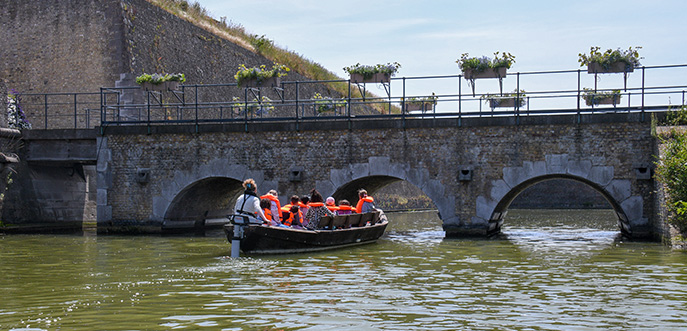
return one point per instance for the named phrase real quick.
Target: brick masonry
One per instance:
(82, 45)
(471, 173)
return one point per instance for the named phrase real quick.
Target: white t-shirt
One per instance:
(251, 206)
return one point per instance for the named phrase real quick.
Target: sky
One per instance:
(427, 37)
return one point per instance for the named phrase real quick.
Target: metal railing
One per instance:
(546, 93)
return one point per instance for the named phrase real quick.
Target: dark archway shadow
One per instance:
(502, 207)
(207, 198)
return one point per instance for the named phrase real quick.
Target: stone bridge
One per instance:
(164, 177)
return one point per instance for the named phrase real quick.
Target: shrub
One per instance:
(671, 171)
(483, 63)
(676, 117)
(367, 71)
(260, 73)
(158, 79)
(606, 59)
(16, 118)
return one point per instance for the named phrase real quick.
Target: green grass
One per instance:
(237, 34)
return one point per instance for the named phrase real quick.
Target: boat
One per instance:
(333, 232)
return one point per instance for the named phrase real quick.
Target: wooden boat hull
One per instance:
(260, 239)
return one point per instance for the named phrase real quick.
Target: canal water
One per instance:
(550, 270)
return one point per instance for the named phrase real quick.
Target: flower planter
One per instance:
(602, 100)
(172, 85)
(499, 72)
(504, 102)
(596, 68)
(266, 82)
(322, 111)
(424, 107)
(376, 78)
(164, 86)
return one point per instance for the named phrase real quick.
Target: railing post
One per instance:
(643, 67)
(297, 99)
(196, 104)
(45, 110)
(75, 115)
(579, 84)
(403, 104)
(460, 101)
(350, 124)
(148, 104)
(517, 98)
(102, 109)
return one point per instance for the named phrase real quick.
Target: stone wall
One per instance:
(82, 45)
(339, 161)
(3, 103)
(53, 186)
(61, 46)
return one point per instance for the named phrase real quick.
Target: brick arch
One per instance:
(491, 207)
(181, 182)
(382, 170)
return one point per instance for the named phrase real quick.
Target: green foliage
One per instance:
(676, 117)
(606, 59)
(483, 63)
(419, 101)
(324, 104)
(498, 97)
(594, 98)
(261, 73)
(261, 43)
(16, 118)
(255, 107)
(367, 71)
(671, 171)
(158, 79)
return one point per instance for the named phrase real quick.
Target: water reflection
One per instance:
(537, 276)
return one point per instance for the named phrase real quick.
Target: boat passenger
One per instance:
(345, 208)
(303, 205)
(365, 204)
(286, 209)
(249, 204)
(275, 205)
(331, 204)
(295, 219)
(316, 211)
(265, 204)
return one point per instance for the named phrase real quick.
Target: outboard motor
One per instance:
(239, 222)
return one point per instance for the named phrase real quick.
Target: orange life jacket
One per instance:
(268, 213)
(315, 204)
(345, 207)
(332, 207)
(289, 220)
(272, 198)
(359, 205)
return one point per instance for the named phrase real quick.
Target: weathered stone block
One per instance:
(601, 175)
(556, 164)
(619, 189)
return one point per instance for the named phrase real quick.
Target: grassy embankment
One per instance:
(237, 34)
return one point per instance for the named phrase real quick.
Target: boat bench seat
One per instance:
(347, 221)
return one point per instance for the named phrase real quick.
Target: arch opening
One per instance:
(586, 194)
(205, 198)
(392, 193)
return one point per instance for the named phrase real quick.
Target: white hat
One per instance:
(330, 201)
